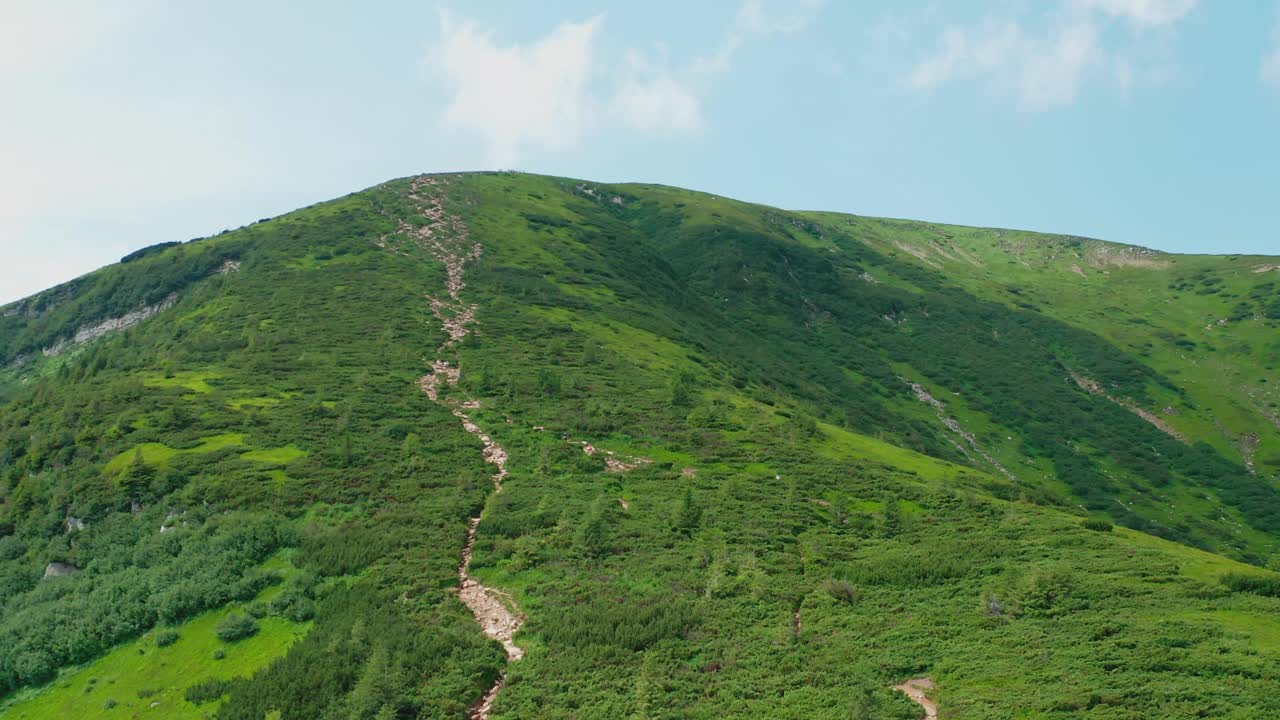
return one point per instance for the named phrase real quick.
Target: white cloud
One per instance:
(1146, 13)
(755, 19)
(969, 50)
(1053, 77)
(650, 97)
(1048, 67)
(516, 96)
(1270, 69)
(653, 97)
(551, 93)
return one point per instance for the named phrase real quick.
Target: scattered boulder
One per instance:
(59, 569)
(172, 520)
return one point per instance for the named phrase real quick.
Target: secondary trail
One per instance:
(915, 689)
(446, 238)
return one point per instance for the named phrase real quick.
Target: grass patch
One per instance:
(159, 453)
(275, 456)
(842, 444)
(258, 402)
(194, 380)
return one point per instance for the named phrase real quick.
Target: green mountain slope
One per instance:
(726, 460)
(1206, 322)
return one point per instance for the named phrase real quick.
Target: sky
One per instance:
(1152, 122)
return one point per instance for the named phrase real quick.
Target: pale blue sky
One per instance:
(1155, 122)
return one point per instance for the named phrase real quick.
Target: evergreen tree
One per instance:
(136, 479)
(690, 515)
(891, 518)
(682, 390)
(593, 537)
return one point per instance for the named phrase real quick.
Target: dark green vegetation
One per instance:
(872, 459)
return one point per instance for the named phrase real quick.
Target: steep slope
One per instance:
(752, 464)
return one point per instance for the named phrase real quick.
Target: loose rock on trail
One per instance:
(448, 241)
(446, 238)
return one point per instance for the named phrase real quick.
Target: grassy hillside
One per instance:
(758, 464)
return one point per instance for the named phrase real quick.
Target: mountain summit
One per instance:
(511, 446)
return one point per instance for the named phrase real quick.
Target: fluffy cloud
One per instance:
(964, 51)
(1046, 67)
(517, 96)
(549, 94)
(653, 98)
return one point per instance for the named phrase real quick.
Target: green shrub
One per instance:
(1049, 591)
(206, 691)
(841, 590)
(1097, 524)
(236, 627)
(301, 609)
(630, 623)
(165, 638)
(1268, 585)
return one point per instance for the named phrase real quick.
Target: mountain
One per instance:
(512, 446)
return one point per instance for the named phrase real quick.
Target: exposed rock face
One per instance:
(954, 426)
(22, 308)
(228, 266)
(1125, 256)
(1248, 449)
(59, 569)
(75, 524)
(89, 333)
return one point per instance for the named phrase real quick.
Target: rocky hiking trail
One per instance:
(446, 238)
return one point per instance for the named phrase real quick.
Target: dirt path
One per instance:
(915, 689)
(446, 238)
